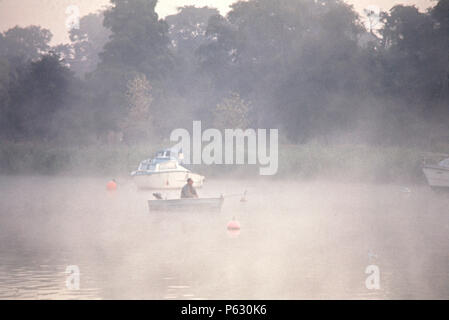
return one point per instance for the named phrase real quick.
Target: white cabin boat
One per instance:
(164, 172)
(437, 175)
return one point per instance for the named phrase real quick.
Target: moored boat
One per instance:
(437, 175)
(164, 171)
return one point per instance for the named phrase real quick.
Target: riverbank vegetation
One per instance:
(344, 95)
(310, 161)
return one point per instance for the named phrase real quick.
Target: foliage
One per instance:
(25, 43)
(353, 163)
(87, 43)
(138, 124)
(42, 89)
(307, 67)
(139, 39)
(232, 113)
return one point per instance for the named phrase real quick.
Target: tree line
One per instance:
(308, 67)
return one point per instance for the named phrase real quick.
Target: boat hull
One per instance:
(167, 180)
(437, 176)
(204, 204)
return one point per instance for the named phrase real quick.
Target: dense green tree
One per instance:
(413, 57)
(24, 44)
(138, 44)
(139, 122)
(232, 112)
(217, 56)
(186, 90)
(289, 58)
(139, 39)
(43, 89)
(87, 43)
(308, 67)
(4, 90)
(441, 15)
(187, 28)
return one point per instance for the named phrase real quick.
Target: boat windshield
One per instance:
(165, 154)
(164, 164)
(146, 165)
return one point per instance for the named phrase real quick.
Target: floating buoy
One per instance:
(111, 185)
(233, 225)
(233, 228)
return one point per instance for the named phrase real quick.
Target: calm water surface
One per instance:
(308, 240)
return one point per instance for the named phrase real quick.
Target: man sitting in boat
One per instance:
(188, 191)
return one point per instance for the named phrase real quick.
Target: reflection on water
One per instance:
(27, 277)
(297, 241)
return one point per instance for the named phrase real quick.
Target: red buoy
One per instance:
(233, 225)
(111, 185)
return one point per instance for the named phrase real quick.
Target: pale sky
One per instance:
(51, 14)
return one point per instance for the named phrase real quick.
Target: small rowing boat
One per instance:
(190, 204)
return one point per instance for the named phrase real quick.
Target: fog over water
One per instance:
(297, 241)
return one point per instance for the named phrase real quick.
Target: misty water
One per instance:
(298, 240)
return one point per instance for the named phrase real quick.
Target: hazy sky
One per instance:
(51, 14)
